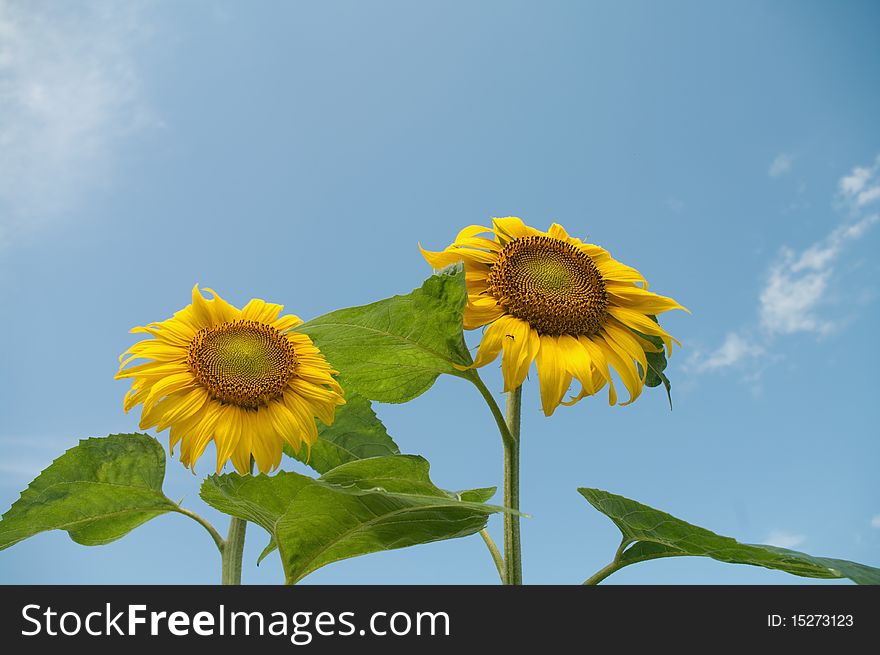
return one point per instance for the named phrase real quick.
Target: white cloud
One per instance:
(797, 283)
(783, 539)
(862, 186)
(735, 349)
(875, 521)
(781, 164)
(868, 195)
(69, 95)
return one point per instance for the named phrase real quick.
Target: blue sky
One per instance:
(298, 152)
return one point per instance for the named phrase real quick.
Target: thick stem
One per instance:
(512, 548)
(233, 550)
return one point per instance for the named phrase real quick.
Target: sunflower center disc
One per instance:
(245, 363)
(550, 284)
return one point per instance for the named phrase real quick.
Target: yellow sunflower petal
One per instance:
(511, 227)
(221, 310)
(471, 231)
(479, 315)
(638, 321)
(477, 242)
(615, 271)
(637, 299)
(287, 322)
(621, 363)
(597, 356)
(490, 344)
(626, 341)
(578, 363)
(552, 374)
(260, 310)
(556, 231)
(227, 434)
(442, 259)
(520, 347)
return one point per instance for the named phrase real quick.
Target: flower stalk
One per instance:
(512, 545)
(232, 553)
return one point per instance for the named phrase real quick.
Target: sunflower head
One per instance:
(241, 378)
(562, 303)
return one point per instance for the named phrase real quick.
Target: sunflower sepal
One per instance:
(655, 374)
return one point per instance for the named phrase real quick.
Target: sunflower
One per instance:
(238, 377)
(562, 303)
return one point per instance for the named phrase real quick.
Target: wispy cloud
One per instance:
(875, 521)
(783, 539)
(862, 186)
(797, 282)
(69, 96)
(780, 165)
(796, 287)
(735, 349)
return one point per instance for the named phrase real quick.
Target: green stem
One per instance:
(496, 554)
(614, 565)
(512, 547)
(210, 528)
(233, 550)
(509, 428)
(603, 573)
(474, 377)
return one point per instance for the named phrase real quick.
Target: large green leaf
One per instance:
(356, 433)
(649, 534)
(393, 350)
(361, 507)
(97, 491)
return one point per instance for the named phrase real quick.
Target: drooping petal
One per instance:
(626, 341)
(578, 363)
(637, 299)
(638, 321)
(597, 356)
(552, 373)
(491, 343)
(621, 363)
(520, 345)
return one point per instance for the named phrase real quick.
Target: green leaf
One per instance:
(356, 433)
(393, 350)
(361, 507)
(654, 534)
(97, 491)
